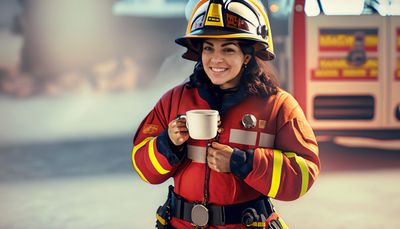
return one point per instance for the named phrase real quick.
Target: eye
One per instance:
(207, 48)
(229, 50)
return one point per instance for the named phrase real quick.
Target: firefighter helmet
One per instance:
(228, 19)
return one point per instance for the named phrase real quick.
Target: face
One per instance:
(223, 61)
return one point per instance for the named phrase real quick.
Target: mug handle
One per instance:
(184, 117)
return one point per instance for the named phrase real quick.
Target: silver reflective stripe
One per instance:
(243, 137)
(197, 153)
(266, 140)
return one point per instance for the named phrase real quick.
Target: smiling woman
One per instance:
(264, 147)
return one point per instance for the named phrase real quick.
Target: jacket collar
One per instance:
(222, 100)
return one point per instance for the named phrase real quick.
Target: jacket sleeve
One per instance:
(289, 170)
(154, 157)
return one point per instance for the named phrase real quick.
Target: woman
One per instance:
(265, 147)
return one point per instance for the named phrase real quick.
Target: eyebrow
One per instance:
(223, 44)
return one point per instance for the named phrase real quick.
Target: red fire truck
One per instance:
(346, 71)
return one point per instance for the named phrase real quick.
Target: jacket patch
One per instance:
(266, 140)
(305, 130)
(243, 137)
(150, 129)
(262, 124)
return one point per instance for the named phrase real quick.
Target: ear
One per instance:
(247, 58)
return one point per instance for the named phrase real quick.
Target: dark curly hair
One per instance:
(257, 76)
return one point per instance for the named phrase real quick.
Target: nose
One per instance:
(216, 58)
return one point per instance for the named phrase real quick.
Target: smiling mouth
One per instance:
(218, 70)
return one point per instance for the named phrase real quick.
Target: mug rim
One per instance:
(202, 112)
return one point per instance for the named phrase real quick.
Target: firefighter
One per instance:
(265, 149)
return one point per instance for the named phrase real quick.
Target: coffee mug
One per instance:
(202, 124)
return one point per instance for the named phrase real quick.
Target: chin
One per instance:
(216, 82)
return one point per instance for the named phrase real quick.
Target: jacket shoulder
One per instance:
(284, 107)
(286, 102)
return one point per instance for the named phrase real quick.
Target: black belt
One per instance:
(219, 215)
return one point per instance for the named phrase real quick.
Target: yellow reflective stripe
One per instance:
(154, 160)
(304, 171)
(256, 224)
(276, 173)
(161, 220)
(134, 150)
(284, 226)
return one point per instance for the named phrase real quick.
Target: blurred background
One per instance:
(77, 77)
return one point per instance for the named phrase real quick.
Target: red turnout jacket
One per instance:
(281, 152)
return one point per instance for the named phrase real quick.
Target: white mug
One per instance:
(202, 124)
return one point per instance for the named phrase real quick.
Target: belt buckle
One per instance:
(200, 215)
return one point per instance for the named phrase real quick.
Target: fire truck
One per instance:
(345, 70)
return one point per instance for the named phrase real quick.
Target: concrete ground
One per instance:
(111, 197)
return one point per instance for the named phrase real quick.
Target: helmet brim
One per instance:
(192, 41)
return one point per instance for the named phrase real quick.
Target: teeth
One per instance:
(218, 69)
